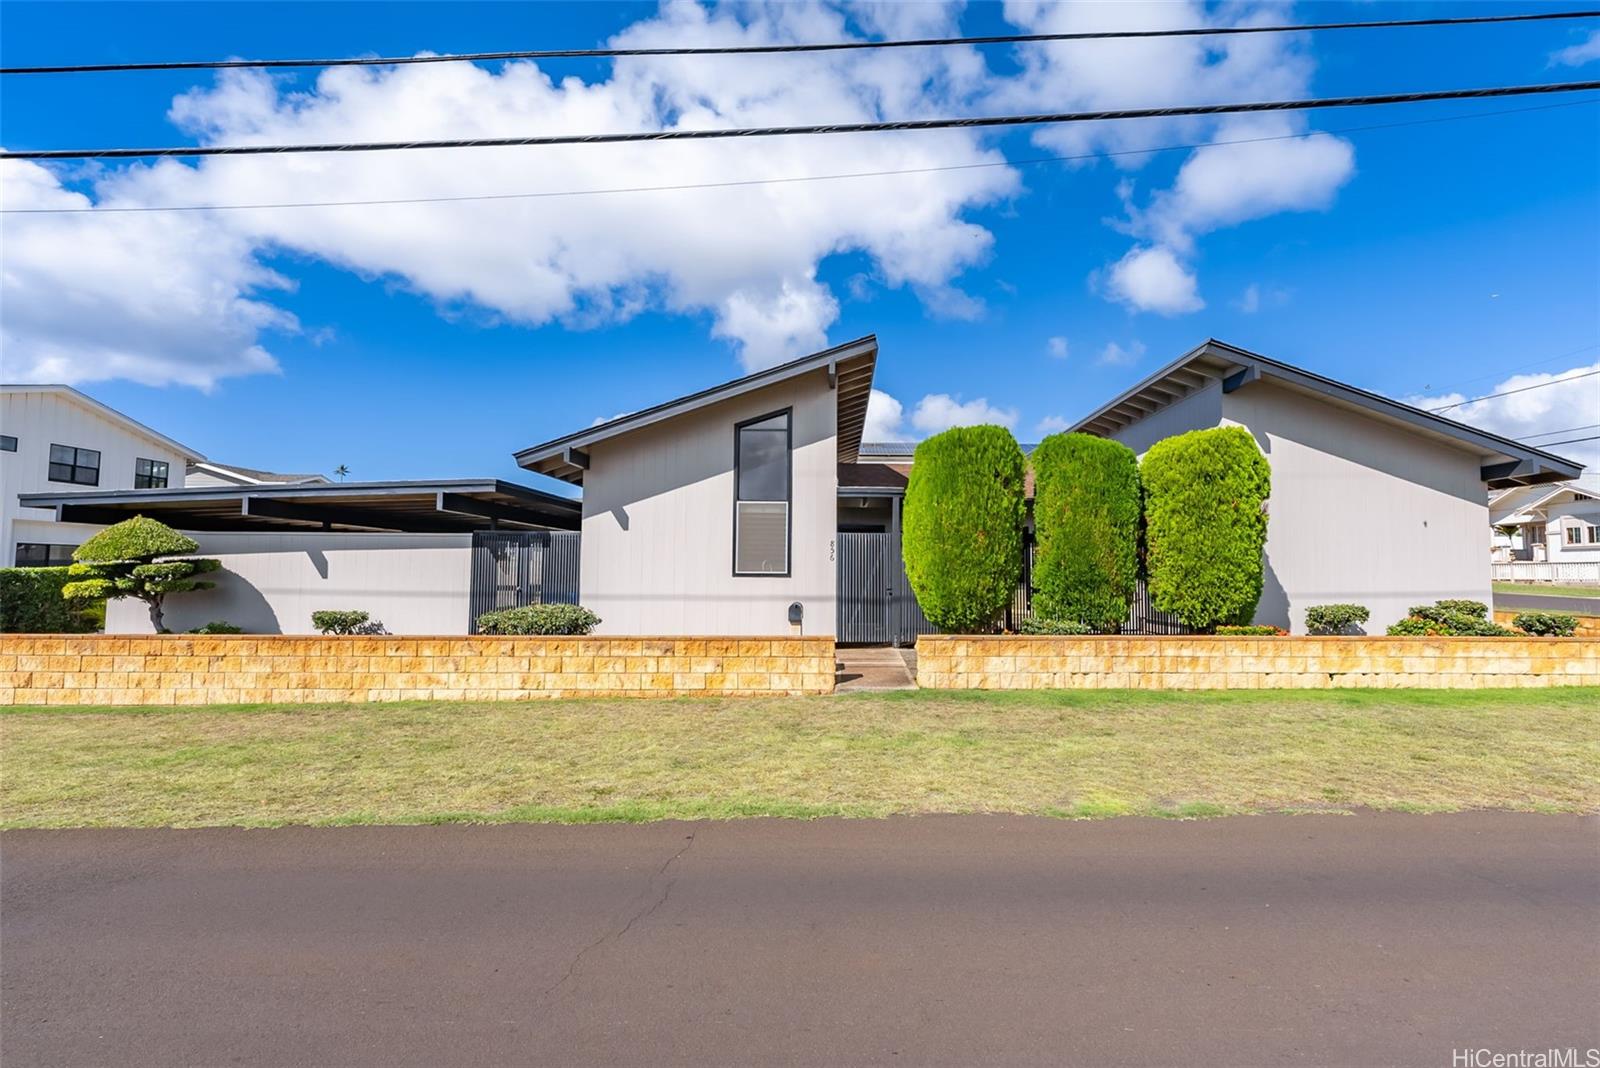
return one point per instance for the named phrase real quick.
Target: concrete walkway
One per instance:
(876, 667)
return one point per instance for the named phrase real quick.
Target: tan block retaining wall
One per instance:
(1588, 626)
(955, 662)
(192, 670)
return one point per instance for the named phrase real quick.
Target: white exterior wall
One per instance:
(39, 419)
(1571, 514)
(658, 522)
(1362, 511)
(271, 583)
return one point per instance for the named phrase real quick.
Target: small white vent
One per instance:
(761, 538)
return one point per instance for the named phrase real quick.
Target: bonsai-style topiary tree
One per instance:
(121, 561)
(1205, 525)
(1086, 512)
(962, 526)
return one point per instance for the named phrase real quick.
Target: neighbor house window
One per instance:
(69, 464)
(1574, 535)
(150, 474)
(1594, 535)
(8, 443)
(762, 493)
(35, 554)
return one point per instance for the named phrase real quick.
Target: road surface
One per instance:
(1368, 939)
(1535, 602)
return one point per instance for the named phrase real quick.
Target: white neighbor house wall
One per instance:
(270, 583)
(1559, 518)
(41, 416)
(1362, 511)
(658, 522)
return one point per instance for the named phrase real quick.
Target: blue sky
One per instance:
(1430, 259)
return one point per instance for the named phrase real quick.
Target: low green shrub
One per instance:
(31, 603)
(1250, 630)
(342, 621)
(1037, 625)
(1546, 624)
(539, 619)
(1336, 618)
(217, 626)
(1450, 619)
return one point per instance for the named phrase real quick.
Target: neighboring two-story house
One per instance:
(54, 438)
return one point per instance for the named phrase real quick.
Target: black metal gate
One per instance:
(876, 605)
(514, 568)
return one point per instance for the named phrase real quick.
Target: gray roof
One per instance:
(432, 506)
(1506, 462)
(255, 474)
(849, 366)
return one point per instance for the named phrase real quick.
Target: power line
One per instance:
(1509, 392)
(784, 180)
(1504, 370)
(770, 49)
(1566, 430)
(1569, 441)
(971, 123)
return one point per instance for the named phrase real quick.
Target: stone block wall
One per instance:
(101, 669)
(1019, 662)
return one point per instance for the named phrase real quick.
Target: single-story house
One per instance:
(1554, 524)
(753, 507)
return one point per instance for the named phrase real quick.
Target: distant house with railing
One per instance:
(1550, 533)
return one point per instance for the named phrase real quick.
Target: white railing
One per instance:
(1527, 571)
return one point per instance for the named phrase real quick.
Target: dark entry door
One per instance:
(876, 606)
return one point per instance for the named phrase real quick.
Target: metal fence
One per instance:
(514, 568)
(876, 606)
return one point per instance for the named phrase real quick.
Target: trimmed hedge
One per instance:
(1450, 618)
(1336, 618)
(1205, 525)
(962, 526)
(1546, 624)
(344, 621)
(1038, 625)
(31, 603)
(539, 619)
(1086, 513)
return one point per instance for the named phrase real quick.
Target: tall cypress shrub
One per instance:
(1086, 512)
(962, 526)
(1205, 525)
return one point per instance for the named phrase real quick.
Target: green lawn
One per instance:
(1063, 753)
(1547, 590)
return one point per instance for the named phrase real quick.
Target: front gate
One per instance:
(876, 605)
(514, 568)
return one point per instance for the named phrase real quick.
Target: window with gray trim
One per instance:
(38, 554)
(762, 495)
(149, 474)
(71, 464)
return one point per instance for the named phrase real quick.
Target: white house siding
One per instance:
(271, 583)
(38, 419)
(658, 522)
(207, 480)
(1362, 510)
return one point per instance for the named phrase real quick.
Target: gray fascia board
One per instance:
(817, 361)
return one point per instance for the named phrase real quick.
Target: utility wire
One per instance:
(480, 197)
(1567, 430)
(1569, 441)
(1509, 392)
(1504, 370)
(770, 49)
(975, 122)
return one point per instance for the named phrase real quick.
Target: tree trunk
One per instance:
(155, 615)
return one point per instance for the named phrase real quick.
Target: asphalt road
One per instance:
(1533, 602)
(1372, 939)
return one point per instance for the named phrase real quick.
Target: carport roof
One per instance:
(448, 506)
(1505, 462)
(849, 366)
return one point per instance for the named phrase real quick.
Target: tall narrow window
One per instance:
(149, 474)
(762, 494)
(69, 464)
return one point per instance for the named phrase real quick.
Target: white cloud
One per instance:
(1249, 301)
(940, 411)
(1535, 412)
(1051, 424)
(154, 298)
(1057, 347)
(1151, 278)
(1218, 185)
(1114, 355)
(1577, 55)
(885, 418)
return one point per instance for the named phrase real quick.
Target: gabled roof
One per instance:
(1506, 462)
(252, 475)
(849, 366)
(105, 411)
(1520, 504)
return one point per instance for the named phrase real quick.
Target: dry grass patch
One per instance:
(1064, 753)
